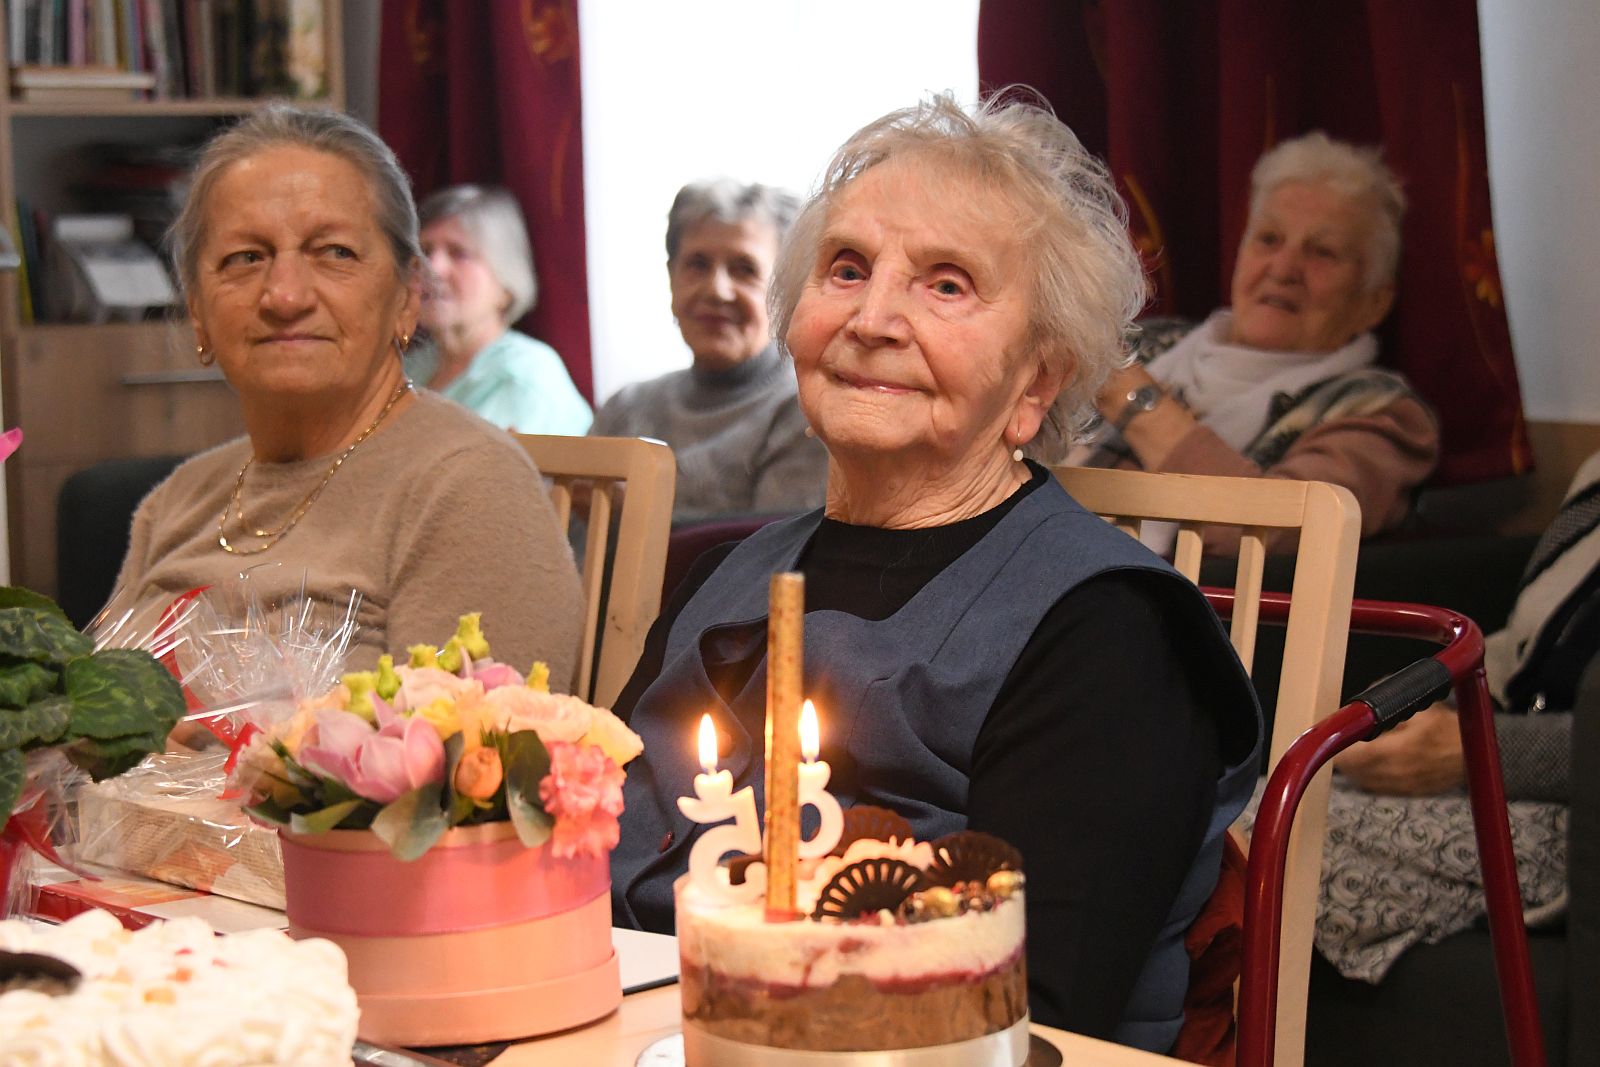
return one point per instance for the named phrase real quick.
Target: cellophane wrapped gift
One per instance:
(166, 819)
(244, 665)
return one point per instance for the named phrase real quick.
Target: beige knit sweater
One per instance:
(438, 513)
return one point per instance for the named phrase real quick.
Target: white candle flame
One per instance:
(708, 744)
(810, 740)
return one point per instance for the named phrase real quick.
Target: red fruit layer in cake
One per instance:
(856, 1014)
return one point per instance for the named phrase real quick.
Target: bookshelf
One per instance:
(88, 393)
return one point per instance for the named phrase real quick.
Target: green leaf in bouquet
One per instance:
(455, 807)
(324, 819)
(22, 683)
(42, 635)
(412, 822)
(119, 692)
(527, 762)
(14, 596)
(39, 723)
(11, 775)
(269, 810)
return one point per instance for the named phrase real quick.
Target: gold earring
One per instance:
(205, 359)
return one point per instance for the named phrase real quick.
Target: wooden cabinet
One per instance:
(83, 394)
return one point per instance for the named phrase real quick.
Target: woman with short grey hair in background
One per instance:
(481, 281)
(732, 418)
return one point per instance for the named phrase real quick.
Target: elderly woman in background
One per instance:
(297, 250)
(1283, 384)
(985, 652)
(732, 418)
(476, 246)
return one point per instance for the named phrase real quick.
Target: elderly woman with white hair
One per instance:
(1283, 384)
(985, 653)
(482, 280)
(731, 417)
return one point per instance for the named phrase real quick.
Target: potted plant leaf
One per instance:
(64, 704)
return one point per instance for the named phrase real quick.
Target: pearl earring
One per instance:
(1016, 455)
(809, 432)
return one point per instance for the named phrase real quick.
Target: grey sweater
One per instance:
(437, 514)
(738, 435)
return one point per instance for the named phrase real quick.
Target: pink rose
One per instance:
(421, 686)
(492, 675)
(554, 718)
(382, 764)
(583, 794)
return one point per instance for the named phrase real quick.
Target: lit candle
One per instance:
(785, 628)
(714, 802)
(814, 788)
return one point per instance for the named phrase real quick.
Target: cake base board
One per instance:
(1011, 1047)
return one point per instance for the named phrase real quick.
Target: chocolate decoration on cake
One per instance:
(868, 822)
(737, 865)
(970, 856)
(866, 888)
(43, 974)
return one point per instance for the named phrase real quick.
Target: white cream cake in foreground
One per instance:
(903, 945)
(174, 994)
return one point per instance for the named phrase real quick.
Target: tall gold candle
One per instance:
(785, 634)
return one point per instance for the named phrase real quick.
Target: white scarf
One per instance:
(1230, 387)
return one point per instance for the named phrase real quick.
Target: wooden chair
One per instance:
(625, 482)
(1329, 524)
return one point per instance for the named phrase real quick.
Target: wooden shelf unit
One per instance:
(88, 393)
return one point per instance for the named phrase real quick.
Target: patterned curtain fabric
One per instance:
(1181, 98)
(489, 92)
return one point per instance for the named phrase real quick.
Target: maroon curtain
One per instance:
(489, 92)
(1181, 98)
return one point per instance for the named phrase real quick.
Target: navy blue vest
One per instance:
(901, 700)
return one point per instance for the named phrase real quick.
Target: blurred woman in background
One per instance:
(476, 246)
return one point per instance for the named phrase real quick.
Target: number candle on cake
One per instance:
(785, 627)
(814, 788)
(715, 801)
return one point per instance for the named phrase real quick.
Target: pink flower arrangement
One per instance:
(452, 738)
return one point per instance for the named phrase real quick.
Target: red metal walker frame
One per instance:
(1459, 664)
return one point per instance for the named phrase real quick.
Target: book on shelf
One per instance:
(79, 85)
(185, 48)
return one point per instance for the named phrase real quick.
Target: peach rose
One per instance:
(479, 773)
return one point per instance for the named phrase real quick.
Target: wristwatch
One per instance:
(1140, 400)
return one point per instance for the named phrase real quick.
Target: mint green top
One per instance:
(517, 383)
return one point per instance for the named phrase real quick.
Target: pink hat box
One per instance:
(480, 939)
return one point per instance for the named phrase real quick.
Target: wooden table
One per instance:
(617, 1040)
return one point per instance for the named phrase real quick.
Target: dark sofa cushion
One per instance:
(1439, 1006)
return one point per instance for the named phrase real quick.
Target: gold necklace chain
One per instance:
(272, 537)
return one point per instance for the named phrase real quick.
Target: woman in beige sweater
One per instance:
(298, 254)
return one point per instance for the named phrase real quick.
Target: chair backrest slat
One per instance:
(1247, 594)
(1328, 522)
(628, 483)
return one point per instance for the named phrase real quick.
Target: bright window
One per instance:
(759, 91)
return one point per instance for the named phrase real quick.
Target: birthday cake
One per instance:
(901, 945)
(174, 993)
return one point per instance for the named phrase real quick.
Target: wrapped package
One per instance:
(166, 820)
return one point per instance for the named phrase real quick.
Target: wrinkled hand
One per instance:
(1417, 758)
